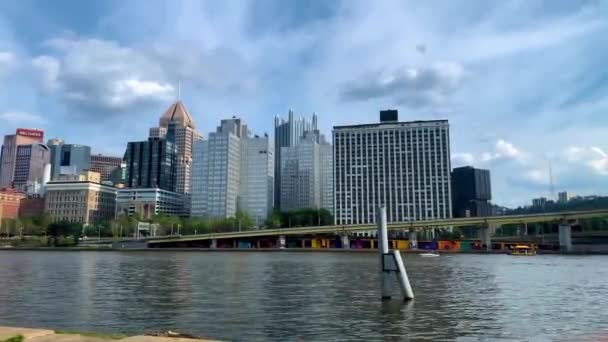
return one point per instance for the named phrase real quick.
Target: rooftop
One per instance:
(177, 112)
(392, 123)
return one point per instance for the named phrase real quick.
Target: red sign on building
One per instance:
(32, 133)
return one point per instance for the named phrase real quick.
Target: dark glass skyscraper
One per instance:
(287, 133)
(151, 164)
(471, 192)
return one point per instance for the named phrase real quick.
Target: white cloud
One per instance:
(7, 62)
(49, 68)
(503, 150)
(593, 157)
(408, 86)
(21, 117)
(506, 149)
(462, 159)
(126, 91)
(6, 58)
(103, 76)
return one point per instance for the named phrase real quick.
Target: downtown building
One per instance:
(178, 127)
(105, 166)
(157, 171)
(471, 192)
(150, 181)
(10, 203)
(68, 159)
(307, 174)
(30, 165)
(288, 133)
(403, 166)
(80, 199)
(233, 171)
(8, 154)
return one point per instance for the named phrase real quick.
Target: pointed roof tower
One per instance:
(177, 112)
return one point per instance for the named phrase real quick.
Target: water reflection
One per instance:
(305, 296)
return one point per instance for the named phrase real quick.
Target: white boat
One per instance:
(429, 255)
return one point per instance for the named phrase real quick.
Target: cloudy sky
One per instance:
(523, 83)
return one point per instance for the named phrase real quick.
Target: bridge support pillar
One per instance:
(413, 238)
(485, 236)
(565, 237)
(213, 243)
(345, 241)
(281, 241)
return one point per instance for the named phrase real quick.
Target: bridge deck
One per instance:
(417, 225)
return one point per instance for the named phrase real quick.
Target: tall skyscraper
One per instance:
(68, 158)
(471, 192)
(8, 154)
(287, 133)
(217, 165)
(404, 166)
(256, 189)
(307, 173)
(151, 164)
(29, 166)
(105, 165)
(177, 119)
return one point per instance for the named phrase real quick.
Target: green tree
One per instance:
(61, 231)
(274, 221)
(244, 221)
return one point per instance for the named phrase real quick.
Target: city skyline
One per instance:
(417, 58)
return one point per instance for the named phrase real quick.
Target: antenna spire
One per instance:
(179, 90)
(551, 186)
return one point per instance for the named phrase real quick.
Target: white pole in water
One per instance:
(404, 281)
(383, 249)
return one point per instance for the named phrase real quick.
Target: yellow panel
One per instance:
(403, 244)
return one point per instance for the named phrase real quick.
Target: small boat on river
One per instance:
(523, 250)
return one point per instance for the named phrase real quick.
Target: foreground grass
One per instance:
(17, 338)
(115, 336)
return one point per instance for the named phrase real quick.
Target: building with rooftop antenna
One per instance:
(177, 126)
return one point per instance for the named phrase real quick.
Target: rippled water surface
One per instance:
(283, 296)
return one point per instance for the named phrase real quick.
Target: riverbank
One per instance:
(18, 334)
(265, 250)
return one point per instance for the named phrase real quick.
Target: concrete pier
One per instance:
(565, 237)
(413, 238)
(345, 241)
(485, 237)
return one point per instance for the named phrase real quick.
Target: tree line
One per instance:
(123, 226)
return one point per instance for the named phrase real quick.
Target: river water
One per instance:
(299, 296)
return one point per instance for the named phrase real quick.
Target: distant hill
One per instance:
(576, 203)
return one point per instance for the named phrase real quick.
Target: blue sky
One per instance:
(523, 83)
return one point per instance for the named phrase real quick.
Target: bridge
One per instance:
(487, 226)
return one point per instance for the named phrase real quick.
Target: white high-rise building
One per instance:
(306, 174)
(404, 166)
(257, 178)
(232, 171)
(216, 165)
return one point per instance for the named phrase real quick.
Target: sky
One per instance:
(524, 83)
